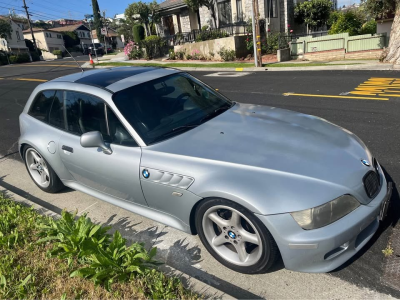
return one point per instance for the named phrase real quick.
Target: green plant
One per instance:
(138, 33)
(136, 53)
(19, 58)
(172, 55)
(57, 52)
(211, 35)
(188, 56)
(71, 39)
(153, 46)
(180, 54)
(73, 237)
(369, 27)
(205, 27)
(116, 262)
(388, 251)
(314, 13)
(348, 22)
(226, 54)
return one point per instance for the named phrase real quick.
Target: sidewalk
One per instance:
(294, 65)
(184, 252)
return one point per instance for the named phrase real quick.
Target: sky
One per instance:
(76, 9)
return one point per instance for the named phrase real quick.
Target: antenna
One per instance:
(73, 58)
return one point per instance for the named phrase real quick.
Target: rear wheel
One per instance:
(235, 236)
(41, 172)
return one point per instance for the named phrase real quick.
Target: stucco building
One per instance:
(81, 30)
(15, 42)
(46, 39)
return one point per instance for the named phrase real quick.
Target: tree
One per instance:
(71, 39)
(381, 9)
(147, 14)
(210, 4)
(5, 29)
(348, 22)
(97, 19)
(123, 27)
(313, 13)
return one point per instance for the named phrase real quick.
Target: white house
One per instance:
(80, 29)
(15, 42)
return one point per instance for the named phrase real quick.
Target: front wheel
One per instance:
(235, 236)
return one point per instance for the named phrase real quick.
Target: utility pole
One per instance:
(30, 25)
(256, 34)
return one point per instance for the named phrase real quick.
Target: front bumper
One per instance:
(326, 248)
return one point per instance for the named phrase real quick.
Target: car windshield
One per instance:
(168, 106)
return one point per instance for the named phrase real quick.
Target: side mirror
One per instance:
(94, 139)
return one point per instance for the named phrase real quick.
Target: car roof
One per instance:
(116, 79)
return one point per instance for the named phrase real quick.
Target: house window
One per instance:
(47, 35)
(59, 36)
(18, 36)
(225, 12)
(88, 34)
(239, 11)
(271, 9)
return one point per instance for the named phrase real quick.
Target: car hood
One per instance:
(277, 140)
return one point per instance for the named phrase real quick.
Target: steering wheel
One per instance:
(179, 101)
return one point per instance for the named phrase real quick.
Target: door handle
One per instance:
(66, 148)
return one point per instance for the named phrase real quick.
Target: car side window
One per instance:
(41, 105)
(85, 113)
(118, 134)
(56, 117)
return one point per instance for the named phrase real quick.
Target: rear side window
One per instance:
(85, 113)
(41, 105)
(57, 111)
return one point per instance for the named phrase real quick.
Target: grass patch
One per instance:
(295, 65)
(219, 65)
(43, 258)
(181, 65)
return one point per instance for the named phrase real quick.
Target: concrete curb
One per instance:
(192, 283)
(377, 67)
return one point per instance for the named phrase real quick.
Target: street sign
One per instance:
(104, 31)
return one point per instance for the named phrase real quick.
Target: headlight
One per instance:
(325, 214)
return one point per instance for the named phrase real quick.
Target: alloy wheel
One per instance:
(37, 167)
(232, 235)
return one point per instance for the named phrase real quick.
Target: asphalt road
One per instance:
(376, 122)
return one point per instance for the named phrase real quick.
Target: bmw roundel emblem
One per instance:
(146, 173)
(232, 235)
(365, 162)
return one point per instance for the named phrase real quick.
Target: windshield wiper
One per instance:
(214, 113)
(185, 126)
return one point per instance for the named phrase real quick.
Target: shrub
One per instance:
(369, 27)
(347, 22)
(211, 35)
(180, 54)
(70, 38)
(19, 58)
(153, 46)
(57, 52)
(188, 57)
(172, 55)
(204, 28)
(227, 55)
(138, 33)
(35, 56)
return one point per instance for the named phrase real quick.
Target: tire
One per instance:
(238, 229)
(41, 172)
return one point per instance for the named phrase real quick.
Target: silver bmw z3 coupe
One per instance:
(254, 182)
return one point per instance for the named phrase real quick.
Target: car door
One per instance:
(115, 174)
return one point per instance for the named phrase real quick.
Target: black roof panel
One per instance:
(110, 76)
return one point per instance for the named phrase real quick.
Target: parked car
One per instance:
(254, 182)
(96, 48)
